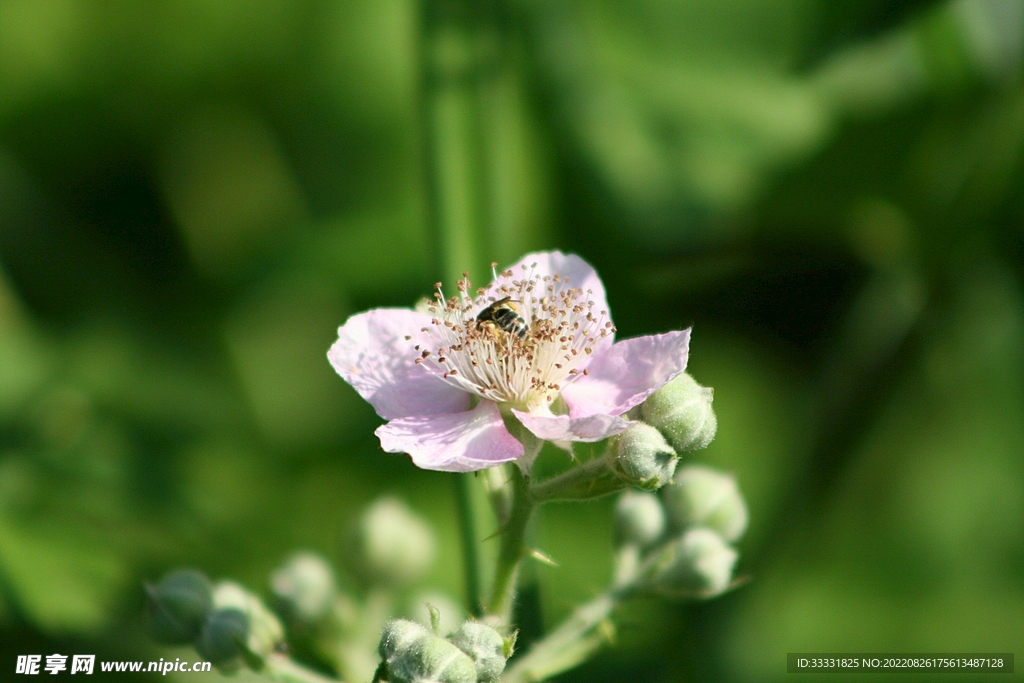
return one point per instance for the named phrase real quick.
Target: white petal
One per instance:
(374, 356)
(454, 442)
(624, 375)
(566, 428)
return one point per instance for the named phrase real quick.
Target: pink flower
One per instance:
(452, 386)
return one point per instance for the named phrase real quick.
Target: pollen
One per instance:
(526, 364)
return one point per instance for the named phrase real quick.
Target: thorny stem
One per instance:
(573, 642)
(592, 479)
(588, 628)
(513, 547)
(498, 493)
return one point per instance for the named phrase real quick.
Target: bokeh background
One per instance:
(194, 194)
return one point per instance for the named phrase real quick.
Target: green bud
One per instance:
(177, 606)
(398, 635)
(430, 659)
(643, 458)
(639, 519)
(485, 646)
(682, 411)
(697, 564)
(305, 587)
(265, 631)
(222, 638)
(701, 496)
(391, 546)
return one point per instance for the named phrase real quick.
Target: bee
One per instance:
(504, 314)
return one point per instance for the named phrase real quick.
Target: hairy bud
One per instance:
(639, 519)
(682, 411)
(485, 646)
(412, 654)
(697, 564)
(643, 458)
(398, 635)
(701, 496)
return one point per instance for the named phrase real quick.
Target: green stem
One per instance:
(470, 552)
(513, 548)
(592, 479)
(498, 493)
(572, 643)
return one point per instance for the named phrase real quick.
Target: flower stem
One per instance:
(498, 493)
(592, 479)
(513, 547)
(573, 642)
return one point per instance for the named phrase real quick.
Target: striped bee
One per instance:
(504, 314)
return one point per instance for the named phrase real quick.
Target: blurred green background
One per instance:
(194, 194)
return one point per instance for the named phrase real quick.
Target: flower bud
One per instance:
(178, 605)
(430, 659)
(398, 635)
(265, 632)
(305, 587)
(701, 496)
(391, 546)
(485, 646)
(639, 519)
(643, 458)
(682, 411)
(222, 638)
(697, 564)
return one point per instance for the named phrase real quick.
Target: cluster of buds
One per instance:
(388, 551)
(412, 653)
(675, 419)
(226, 624)
(679, 542)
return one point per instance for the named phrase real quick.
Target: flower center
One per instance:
(519, 341)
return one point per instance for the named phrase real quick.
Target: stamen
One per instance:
(525, 353)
